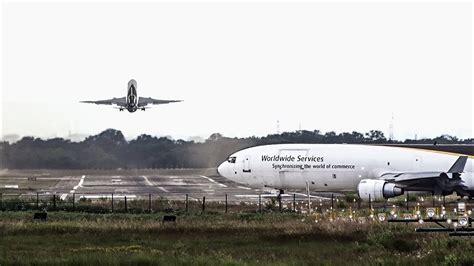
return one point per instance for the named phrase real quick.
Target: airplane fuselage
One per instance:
(132, 97)
(330, 167)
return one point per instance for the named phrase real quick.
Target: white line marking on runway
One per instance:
(311, 196)
(164, 189)
(246, 196)
(147, 181)
(80, 183)
(63, 196)
(247, 188)
(108, 196)
(213, 181)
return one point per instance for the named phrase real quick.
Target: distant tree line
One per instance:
(110, 150)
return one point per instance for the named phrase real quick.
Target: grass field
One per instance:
(217, 239)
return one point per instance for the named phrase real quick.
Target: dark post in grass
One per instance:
(125, 198)
(444, 201)
(54, 202)
(260, 202)
(1, 201)
(73, 201)
(226, 203)
(149, 202)
(112, 202)
(187, 203)
(294, 202)
(359, 202)
(370, 203)
(203, 203)
(37, 200)
(408, 199)
(279, 202)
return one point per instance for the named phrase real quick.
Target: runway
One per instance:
(171, 185)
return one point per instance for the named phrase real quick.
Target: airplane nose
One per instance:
(222, 169)
(219, 169)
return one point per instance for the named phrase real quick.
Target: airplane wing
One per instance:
(117, 101)
(143, 101)
(427, 181)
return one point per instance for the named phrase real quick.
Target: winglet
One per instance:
(458, 166)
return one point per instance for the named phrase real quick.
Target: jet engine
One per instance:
(377, 189)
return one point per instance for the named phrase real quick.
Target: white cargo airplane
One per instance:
(132, 103)
(375, 172)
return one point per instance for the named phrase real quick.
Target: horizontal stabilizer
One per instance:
(458, 166)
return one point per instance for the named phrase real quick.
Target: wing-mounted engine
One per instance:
(377, 189)
(386, 184)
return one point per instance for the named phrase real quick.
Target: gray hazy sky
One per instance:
(239, 67)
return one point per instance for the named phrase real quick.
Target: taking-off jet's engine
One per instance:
(377, 189)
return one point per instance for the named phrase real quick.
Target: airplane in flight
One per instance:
(375, 172)
(132, 103)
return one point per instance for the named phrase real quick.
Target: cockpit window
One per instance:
(231, 159)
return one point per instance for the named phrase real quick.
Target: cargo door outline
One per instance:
(295, 175)
(246, 168)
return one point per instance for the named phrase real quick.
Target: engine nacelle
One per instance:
(377, 189)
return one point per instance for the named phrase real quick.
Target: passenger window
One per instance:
(231, 159)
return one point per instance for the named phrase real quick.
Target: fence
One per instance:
(198, 203)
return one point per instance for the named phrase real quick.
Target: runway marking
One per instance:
(164, 189)
(247, 188)
(212, 180)
(311, 196)
(247, 196)
(80, 183)
(108, 196)
(64, 196)
(148, 181)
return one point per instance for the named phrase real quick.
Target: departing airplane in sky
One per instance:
(375, 172)
(132, 102)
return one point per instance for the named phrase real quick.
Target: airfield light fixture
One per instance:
(449, 221)
(430, 212)
(463, 221)
(420, 221)
(381, 217)
(455, 224)
(461, 207)
(469, 212)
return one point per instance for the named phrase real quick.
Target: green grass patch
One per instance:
(217, 239)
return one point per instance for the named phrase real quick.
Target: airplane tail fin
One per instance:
(458, 166)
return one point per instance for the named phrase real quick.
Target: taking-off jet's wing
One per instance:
(143, 101)
(117, 101)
